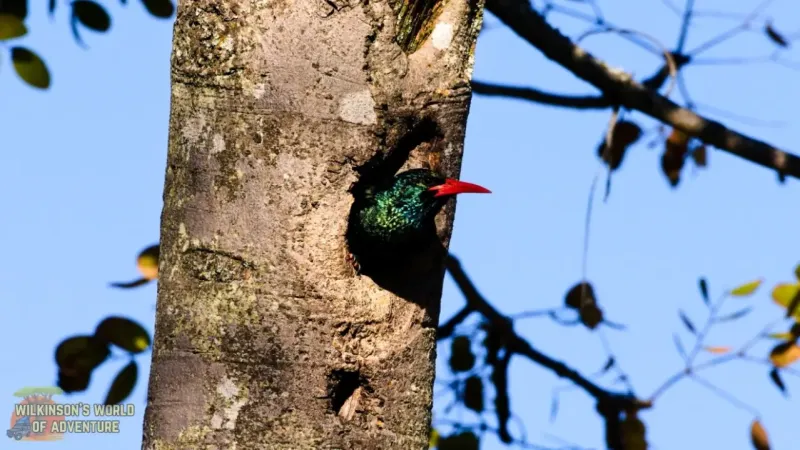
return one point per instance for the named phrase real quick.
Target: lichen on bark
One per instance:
(274, 106)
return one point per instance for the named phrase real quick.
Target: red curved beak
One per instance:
(453, 187)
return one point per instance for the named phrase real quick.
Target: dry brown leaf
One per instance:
(147, 262)
(678, 140)
(784, 354)
(624, 135)
(758, 435)
(633, 433)
(675, 149)
(627, 132)
(591, 316)
(700, 156)
(671, 166)
(717, 350)
(351, 404)
(579, 295)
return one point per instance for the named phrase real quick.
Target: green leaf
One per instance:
(123, 384)
(788, 295)
(123, 333)
(159, 8)
(746, 289)
(91, 15)
(473, 394)
(73, 382)
(30, 67)
(783, 293)
(17, 8)
(781, 336)
(461, 357)
(792, 308)
(466, 440)
(433, 440)
(81, 354)
(11, 27)
(147, 262)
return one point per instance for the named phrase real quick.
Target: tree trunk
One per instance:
(265, 337)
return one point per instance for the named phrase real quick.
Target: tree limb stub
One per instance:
(620, 88)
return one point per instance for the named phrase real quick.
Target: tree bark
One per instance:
(265, 338)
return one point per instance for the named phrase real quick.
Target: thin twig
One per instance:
(609, 352)
(671, 6)
(446, 330)
(535, 313)
(685, 21)
(753, 121)
(688, 370)
(671, 65)
(724, 36)
(698, 343)
(726, 395)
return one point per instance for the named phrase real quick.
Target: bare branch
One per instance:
(671, 65)
(501, 403)
(446, 330)
(725, 395)
(535, 95)
(520, 346)
(620, 88)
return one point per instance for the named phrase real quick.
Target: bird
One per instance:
(394, 219)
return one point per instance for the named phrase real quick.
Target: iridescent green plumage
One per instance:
(399, 214)
(393, 220)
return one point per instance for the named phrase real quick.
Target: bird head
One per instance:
(399, 210)
(429, 191)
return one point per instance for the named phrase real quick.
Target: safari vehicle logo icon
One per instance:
(33, 416)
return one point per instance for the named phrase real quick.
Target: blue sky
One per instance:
(83, 166)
